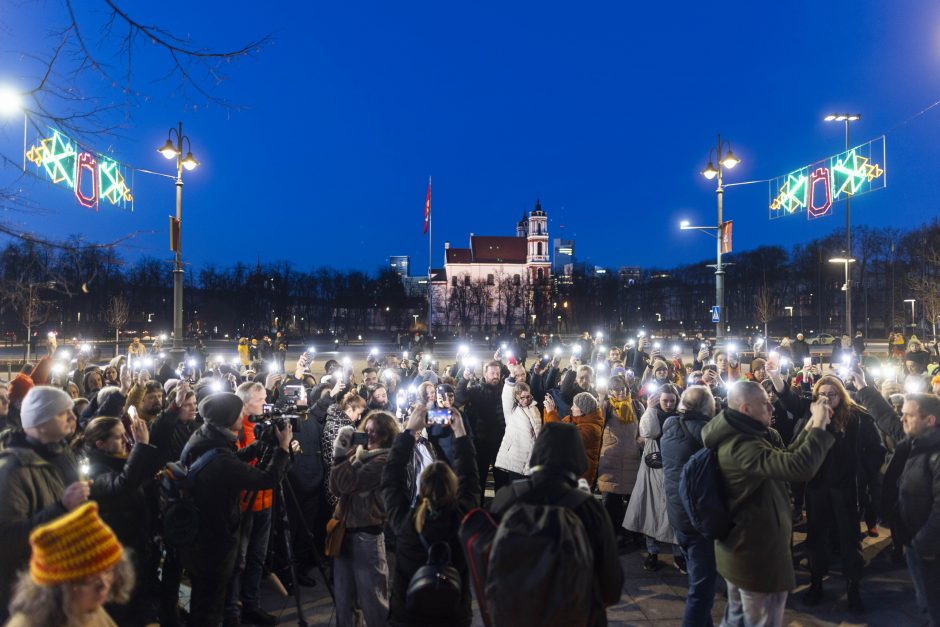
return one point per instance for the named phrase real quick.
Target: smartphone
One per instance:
(360, 438)
(438, 416)
(807, 362)
(132, 412)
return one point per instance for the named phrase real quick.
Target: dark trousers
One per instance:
(828, 510)
(171, 574)
(926, 576)
(486, 456)
(616, 507)
(699, 556)
(311, 509)
(209, 576)
(244, 586)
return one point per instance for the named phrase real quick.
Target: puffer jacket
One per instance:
(591, 427)
(676, 449)
(356, 481)
(756, 468)
(912, 506)
(522, 427)
(30, 492)
(621, 454)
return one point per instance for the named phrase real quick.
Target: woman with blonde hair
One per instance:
(834, 495)
(431, 525)
(523, 421)
(77, 565)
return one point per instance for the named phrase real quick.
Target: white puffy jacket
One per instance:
(522, 427)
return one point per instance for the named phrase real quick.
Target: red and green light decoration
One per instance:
(91, 176)
(814, 188)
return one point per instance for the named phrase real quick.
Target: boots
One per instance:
(854, 597)
(815, 593)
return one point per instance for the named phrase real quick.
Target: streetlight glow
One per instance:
(168, 150)
(709, 172)
(684, 224)
(730, 160)
(189, 162)
(11, 102)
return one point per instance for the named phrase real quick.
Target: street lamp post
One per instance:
(913, 314)
(29, 310)
(724, 160)
(847, 118)
(171, 151)
(846, 260)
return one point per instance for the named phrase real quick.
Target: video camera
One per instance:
(270, 419)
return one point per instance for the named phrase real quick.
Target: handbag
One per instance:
(654, 460)
(335, 532)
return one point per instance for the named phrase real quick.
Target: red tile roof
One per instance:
(459, 255)
(498, 249)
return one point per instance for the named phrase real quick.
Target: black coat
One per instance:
(117, 487)
(912, 483)
(307, 469)
(410, 553)
(677, 448)
(219, 484)
(484, 405)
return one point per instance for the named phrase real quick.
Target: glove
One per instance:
(342, 443)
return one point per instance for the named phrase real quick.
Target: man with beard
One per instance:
(147, 399)
(483, 404)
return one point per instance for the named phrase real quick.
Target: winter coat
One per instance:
(886, 419)
(117, 486)
(591, 427)
(756, 468)
(522, 427)
(621, 453)
(677, 448)
(219, 485)
(336, 419)
(410, 553)
(569, 387)
(30, 491)
(307, 469)
(169, 434)
(356, 480)
(912, 486)
(484, 407)
(646, 511)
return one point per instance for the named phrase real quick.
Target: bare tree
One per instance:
(925, 290)
(117, 315)
(764, 306)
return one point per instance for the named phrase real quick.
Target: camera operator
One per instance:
(242, 598)
(216, 493)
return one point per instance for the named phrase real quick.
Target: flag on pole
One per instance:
(427, 207)
(725, 234)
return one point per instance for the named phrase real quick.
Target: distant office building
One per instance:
(629, 275)
(563, 254)
(400, 264)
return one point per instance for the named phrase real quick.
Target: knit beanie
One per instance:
(586, 402)
(757, 364)
(73, 547)
(221, 409)
(169, 384)
(19, 386)
(659, 363)
(42, 404)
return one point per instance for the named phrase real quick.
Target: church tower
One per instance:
(537, 257)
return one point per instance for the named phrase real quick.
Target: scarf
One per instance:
(623, 410)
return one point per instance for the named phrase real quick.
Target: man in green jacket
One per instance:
(755, 557)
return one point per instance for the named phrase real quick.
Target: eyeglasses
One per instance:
(523, 397)
(830, 394)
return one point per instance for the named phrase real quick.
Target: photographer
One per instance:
(216, 493)
(444, 498)
(360, 570)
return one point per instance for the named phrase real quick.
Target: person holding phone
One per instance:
(347, 412)
(360, 570)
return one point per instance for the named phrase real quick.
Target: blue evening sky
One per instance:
(604, 110)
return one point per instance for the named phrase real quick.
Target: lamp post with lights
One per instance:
(728, 160)
(847, 118)
(170, 151)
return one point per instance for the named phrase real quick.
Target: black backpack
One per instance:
(180, 512)
(535, 566)
(435, 589)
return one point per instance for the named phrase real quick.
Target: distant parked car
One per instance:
(822, 338)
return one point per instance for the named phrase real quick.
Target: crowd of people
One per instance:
(370, 478)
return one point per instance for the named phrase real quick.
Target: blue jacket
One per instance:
(677, 448)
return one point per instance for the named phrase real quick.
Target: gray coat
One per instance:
(621, 454)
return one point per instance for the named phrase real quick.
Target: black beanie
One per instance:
(221, 409)
(559, 445)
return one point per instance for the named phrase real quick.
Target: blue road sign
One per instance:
(716, 314)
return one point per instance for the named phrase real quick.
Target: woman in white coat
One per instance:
(523, 421)
(646, 511)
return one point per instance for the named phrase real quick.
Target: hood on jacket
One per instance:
(728, 424)
(559, 445)
(205, 438)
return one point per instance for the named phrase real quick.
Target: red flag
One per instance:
(725, 233)
(427, 207)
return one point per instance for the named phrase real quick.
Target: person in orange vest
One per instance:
(242, 601)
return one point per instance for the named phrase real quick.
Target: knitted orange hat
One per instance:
(19, 386)
(73, 547)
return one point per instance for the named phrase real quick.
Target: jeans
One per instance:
(208, 578)
(245, 583)
(753, 609)
(360, 579)
(699, 555)
(926, 576)
(653, 548)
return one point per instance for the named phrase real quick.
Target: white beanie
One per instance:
(42, 404)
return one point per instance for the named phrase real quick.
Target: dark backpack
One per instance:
(180, 512)
(703, 495)
(521, 567)
(435, 589)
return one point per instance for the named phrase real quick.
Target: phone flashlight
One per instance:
(558, 350)
(373, 351)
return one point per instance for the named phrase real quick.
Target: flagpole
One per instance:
(430, 235)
